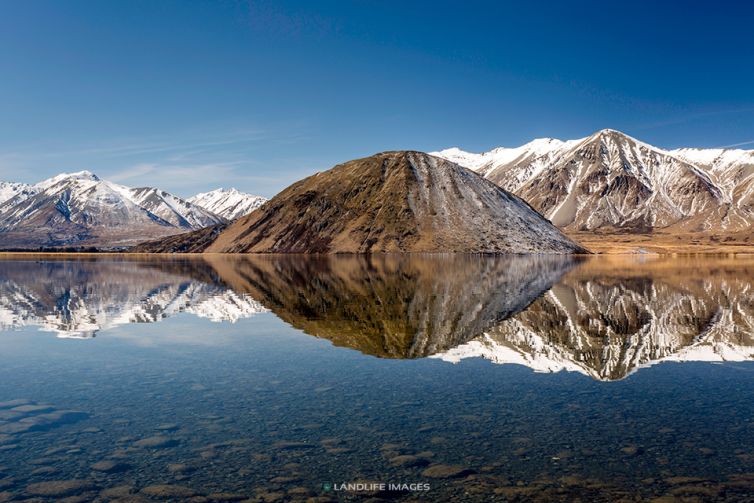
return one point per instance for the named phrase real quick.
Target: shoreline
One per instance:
(598, 250)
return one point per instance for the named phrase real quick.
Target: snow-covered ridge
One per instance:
(72, 209)
(178, 212)
(228, 203)
(9, 190)
(611, 180)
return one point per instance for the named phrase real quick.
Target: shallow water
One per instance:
(472, 378)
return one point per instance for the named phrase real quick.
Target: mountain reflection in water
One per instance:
(604, 317)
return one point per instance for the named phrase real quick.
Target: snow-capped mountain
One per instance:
(610, 180)
(179, 212)
(731, 169)
(77, 209)
(228, 203)
(76, 299)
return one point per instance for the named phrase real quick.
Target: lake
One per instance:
(435, 378)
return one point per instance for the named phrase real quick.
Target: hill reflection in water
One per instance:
(599, 316)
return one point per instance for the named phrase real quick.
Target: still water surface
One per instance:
(284, 379)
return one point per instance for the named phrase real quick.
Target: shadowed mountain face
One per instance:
(602, 317)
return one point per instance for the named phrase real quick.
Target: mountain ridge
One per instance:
(81, 209)
(610, 180)
(228, 203)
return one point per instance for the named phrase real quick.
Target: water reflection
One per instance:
(81, 297)
(393, 306)
(609, 318)
(601, 317)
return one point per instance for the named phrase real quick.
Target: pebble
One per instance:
(156, 442)
(630, 450)
(117, 492)
(168, 491)
(285, 479)
(270, 497)
(45, 470)
(391, 447)
(445, 471)
(108, 466)
(178, 468)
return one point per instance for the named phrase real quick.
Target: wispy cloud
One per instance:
(173, 175)
(741, 144)
(691, 116)
(184, 161)
(133, 172)
(180, 143)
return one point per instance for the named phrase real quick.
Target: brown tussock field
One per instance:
(659, 242)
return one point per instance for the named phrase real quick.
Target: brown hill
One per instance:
(390, 202)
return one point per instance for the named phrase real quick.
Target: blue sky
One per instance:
(191, 95)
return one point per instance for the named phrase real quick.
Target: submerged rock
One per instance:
(58, 488)
(156, 442)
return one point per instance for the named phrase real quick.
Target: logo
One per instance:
(376, 487)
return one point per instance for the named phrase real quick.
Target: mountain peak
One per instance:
(229, 203)
(81, 175)
(80, 209)
(220, 190)
(67, 177)
(452, 151)
(612, 133)
(611, 180)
